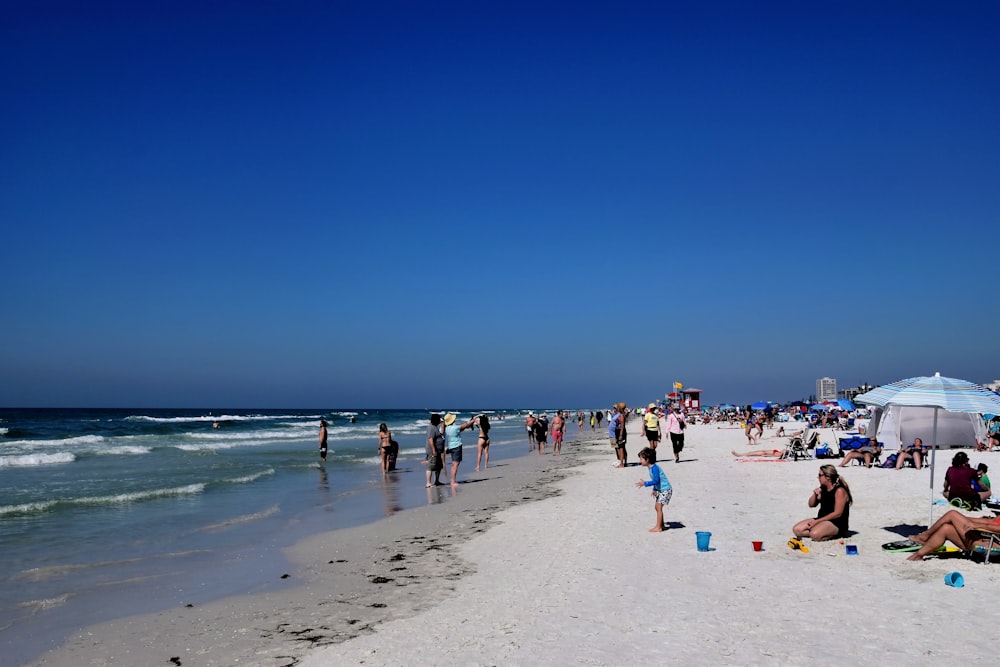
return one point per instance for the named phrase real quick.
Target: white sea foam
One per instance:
(40, 605)
(123, 498)
(26, 508)
(124, 449)
(27, 460)
(215, 418)
(246, 518)
(246, 479)
(40, 573)
(63, 442)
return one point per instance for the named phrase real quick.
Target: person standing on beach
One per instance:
(384, 446)
(675, 427)
(453, 443)
(529, 424)
(558, 431)
(662, 490)
(322, 440)
(599, 416)
(652, 426)
(618, 435)
(435, 445)
(541, 430)
(484, 441)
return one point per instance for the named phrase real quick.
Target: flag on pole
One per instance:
(678, 385)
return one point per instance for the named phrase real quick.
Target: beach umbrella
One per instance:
(759, 405)
(845, 404)
(940, 393)
(820, 406)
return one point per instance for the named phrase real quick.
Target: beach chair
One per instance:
(991, 550)
(799, 447)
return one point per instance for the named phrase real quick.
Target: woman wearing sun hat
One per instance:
(651, 426)
(453, 442)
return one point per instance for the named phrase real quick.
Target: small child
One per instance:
(662, 490)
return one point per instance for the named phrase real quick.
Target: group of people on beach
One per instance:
(444, 438)
(963, 486)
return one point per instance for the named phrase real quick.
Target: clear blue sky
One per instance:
(333, 204)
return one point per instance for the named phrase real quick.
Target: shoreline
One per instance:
(494, 578)
(341, 583)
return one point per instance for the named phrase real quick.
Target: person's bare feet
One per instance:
(915, 557)
(657, 529)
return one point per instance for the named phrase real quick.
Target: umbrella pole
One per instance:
(930, 513)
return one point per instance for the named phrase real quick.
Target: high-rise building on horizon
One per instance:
(826, 389)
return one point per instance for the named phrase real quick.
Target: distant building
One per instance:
(854, 391)
(826, 389)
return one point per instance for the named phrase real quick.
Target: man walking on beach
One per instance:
(322, 440)
(529, 423)
(558, 430)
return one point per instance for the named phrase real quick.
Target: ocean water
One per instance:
(105, 513)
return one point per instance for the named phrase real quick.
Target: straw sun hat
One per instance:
(449, 419)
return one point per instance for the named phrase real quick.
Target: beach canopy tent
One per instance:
(820, 407)
(941, 395)
(896, 425)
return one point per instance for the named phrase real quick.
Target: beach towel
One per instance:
(908, 546)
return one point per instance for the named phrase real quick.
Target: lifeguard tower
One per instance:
(691, 398)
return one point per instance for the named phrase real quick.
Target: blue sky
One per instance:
(380, 204)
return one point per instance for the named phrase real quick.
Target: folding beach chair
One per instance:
(991, 550)
(798, 448)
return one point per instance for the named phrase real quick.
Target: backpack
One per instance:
(890, 461)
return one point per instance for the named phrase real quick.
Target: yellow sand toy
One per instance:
(796, 545)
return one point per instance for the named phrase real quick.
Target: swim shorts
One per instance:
(557, 436)
(652, 435)
(663, 497)
(456, 454)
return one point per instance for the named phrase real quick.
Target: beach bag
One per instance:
(681, 424)
(890, 461)
(824, 452)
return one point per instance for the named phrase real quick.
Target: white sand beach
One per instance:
(548, 561)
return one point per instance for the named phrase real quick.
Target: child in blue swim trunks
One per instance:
(662, 490)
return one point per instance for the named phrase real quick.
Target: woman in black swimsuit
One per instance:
(484, 441)
(384, 444)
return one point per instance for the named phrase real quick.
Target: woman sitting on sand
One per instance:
(834, 499)
(962, 531)
(958, 481)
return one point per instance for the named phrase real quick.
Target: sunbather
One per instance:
(961, 530)
(866, 452)
(760, 452)
(914, 451)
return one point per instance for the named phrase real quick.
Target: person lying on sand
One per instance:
(962, 531)
(759, 452)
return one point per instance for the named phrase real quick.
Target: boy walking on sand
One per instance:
(662, 490)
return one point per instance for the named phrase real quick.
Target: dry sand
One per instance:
(488, 578)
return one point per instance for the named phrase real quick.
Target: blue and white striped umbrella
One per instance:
(936, 392)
